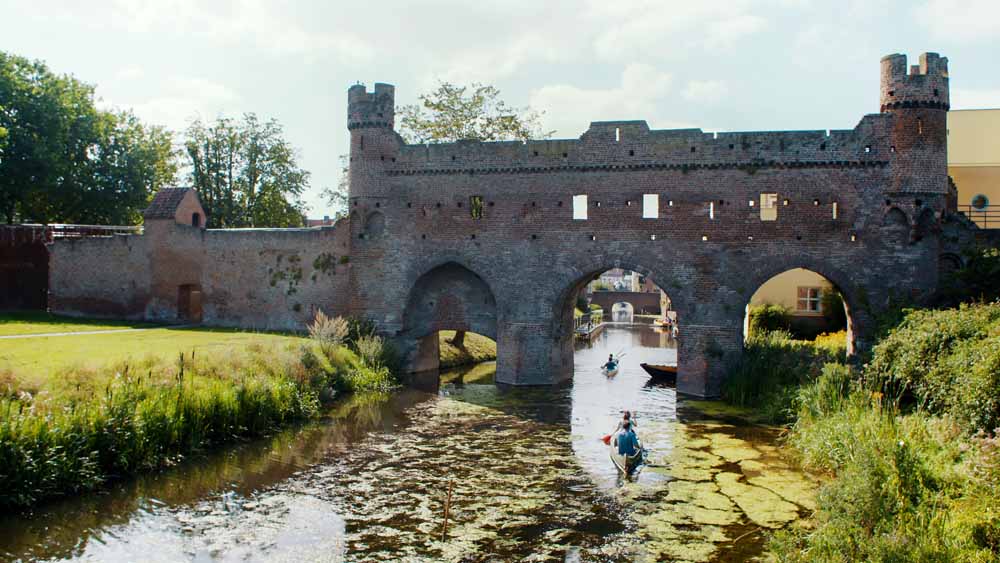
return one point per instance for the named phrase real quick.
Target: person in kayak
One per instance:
(612, 363)
(628, 443)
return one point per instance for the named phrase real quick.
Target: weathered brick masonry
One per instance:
(863, 207)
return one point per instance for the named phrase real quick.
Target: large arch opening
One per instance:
(450, 320)
(619, 312)
(805, 303)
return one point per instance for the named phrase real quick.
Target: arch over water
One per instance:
(449, 296)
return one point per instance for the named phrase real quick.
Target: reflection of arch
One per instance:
(374, 224)
(836, 277)
(622, 312)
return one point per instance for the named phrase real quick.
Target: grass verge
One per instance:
(78, 428)
(17, 323)
(475, 348)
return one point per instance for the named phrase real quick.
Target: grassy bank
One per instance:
(909, 442)
(40, 322)
(474, 349)
(73, 429)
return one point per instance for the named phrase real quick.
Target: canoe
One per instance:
(666, 373)
(610, 372)
(627, 465)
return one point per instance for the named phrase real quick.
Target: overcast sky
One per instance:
(721, 66)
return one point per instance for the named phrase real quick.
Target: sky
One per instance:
(738, 65)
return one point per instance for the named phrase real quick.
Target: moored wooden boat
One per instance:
(666, 373)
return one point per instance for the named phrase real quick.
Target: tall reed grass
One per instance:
(83, 429)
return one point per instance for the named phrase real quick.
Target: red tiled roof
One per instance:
(165, 202)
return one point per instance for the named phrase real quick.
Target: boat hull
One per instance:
(627, 465)
(661, 372)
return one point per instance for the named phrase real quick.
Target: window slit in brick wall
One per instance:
(618, 134)
(815, 202)
(362, 142)
(409, 205)
(597, 204)
(423, 236)
(651, 206)
(378, 204)
(868, 148)
(769, 207)
(593, 237)
(476, 206)
(490, 204)
(580, 207)
(460, 205)
(694, 149)
(533, 237)
(835, 210)
(711, 210)
(822, 146)
(652, 237)
(631, 153)
(920, 127)
(892, 149)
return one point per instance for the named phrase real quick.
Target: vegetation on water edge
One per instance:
(83, 428)
(774, 366)
(908, 442)
(474, 349)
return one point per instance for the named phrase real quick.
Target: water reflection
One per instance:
(530, 479)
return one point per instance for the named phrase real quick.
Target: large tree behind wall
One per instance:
(451, 113)
(64, 160)
(245, 172)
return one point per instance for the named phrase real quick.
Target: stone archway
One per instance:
(449, 296)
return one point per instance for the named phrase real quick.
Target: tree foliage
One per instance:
(64, 160)
(475, 111)
(246, 173)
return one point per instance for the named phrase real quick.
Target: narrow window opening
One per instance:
(628, 203)
(631, 153)
(868, 148)
(650, 206)
(784, 202)
(476, 206)
(854, 238)
(423, 236)
(670, 203)
(815, 202)
(798, 237)
(597, 204)
(694, 149)
(438, 204)
(711, 210)
(533, 204)
(920, 127)
(460, 205)
(534, 237)
(822, 146)
(362, 142)
(892, 149)
(652, 237)
(704, 238)
(919, 202)
(769, 207)
(558, 204)
(835, 210)
(196, 219)
(378, 204)
(490, 204)
(382, 158)
(935, 92)
(749, 237)
(580, 207)
(593, 237)
(565, 155)
(731, 146)
(536, 153)
(618, 134)
(473, 237)
(409, 205)
(752, 203)
(453, 157)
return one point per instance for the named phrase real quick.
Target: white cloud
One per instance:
(960, 21)
(570, 109)
(705, 91)
(975, 99)
(629, 29)
(179, 100)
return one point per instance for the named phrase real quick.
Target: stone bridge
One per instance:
(643, 303)
(500, 237)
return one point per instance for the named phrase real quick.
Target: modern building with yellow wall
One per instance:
(974, 163)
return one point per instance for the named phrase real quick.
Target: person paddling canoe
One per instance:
(612, 363)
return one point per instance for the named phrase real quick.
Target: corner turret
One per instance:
(925, 86)
(371, 110)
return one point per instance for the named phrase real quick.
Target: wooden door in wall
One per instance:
(189, 303)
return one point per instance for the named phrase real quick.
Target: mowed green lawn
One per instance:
(39, 322)
(36, 359)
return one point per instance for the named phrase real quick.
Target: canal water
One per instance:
(528, 476)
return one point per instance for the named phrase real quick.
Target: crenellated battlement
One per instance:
(924, 85)
(371, 109)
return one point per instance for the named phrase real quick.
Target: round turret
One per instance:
(371, 110)
(924, 86)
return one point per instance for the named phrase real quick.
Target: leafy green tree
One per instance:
(64, 160)
(452, 113)
(246, 173)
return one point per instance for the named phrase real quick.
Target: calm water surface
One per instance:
(530, 480)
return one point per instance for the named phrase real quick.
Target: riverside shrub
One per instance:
(943, 361)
